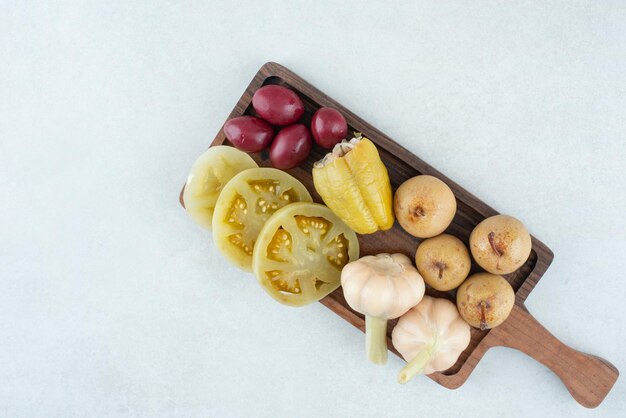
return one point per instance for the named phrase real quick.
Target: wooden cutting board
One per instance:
(588, 378)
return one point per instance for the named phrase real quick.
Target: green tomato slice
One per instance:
(208, 175)
(300, 251)
(246, 202)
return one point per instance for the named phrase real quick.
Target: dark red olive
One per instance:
(291, 146)
(278, 105)
(249, 133)
(328, 127)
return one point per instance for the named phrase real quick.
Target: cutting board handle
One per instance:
(588, 378)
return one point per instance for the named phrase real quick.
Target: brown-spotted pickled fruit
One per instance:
(500, 244)
(424, 206)
(485, 300)
(443, 261)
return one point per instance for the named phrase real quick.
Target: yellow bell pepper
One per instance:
(354, 184)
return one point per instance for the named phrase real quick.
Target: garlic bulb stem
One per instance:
(376, 339)
(416, 366)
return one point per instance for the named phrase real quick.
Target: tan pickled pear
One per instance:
(424, 206)
(500, 244)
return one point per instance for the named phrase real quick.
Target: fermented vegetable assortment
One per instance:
(264, 221)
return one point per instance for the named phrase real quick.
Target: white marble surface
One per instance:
(113, 303)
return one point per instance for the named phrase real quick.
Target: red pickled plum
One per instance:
(278, 105)
(249, 133)
(328, 127)
(291, 146)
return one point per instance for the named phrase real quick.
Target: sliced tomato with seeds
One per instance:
(300, 251)
(208, 175)
(245, 203)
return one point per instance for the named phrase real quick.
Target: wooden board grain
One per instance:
(588, 378)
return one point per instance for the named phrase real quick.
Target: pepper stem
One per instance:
(376, 339)
(417, 365)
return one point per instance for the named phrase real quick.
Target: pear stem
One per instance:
(417, 365)
(376, 339)
(492, 241)
(483, 320)
(441, 266)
